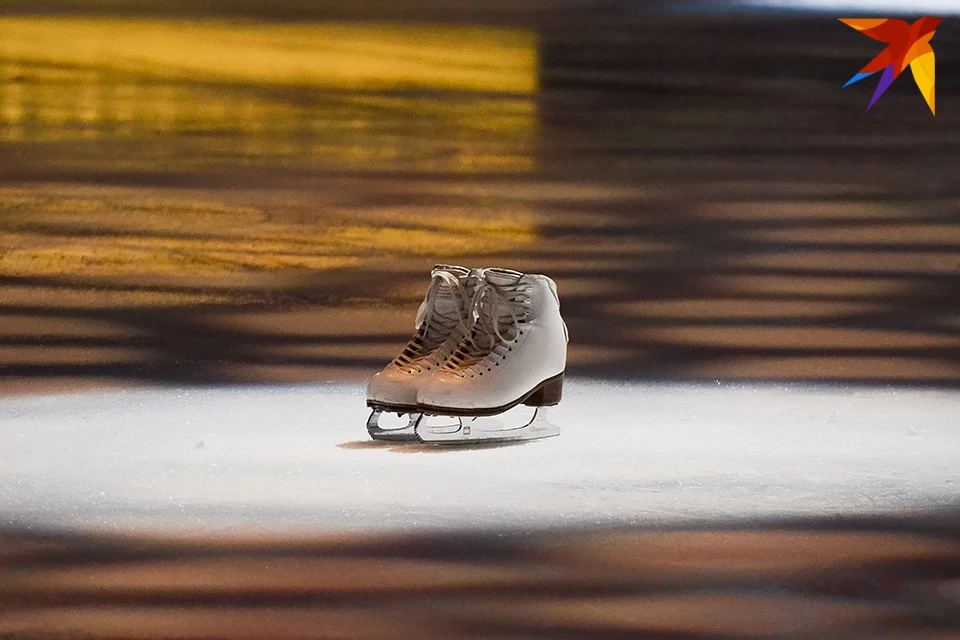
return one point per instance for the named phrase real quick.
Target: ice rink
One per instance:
(282, 458)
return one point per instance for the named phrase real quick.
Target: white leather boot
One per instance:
(515, 353)
(442, 321)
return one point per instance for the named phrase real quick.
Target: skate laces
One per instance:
(491, 307)
(433, 325)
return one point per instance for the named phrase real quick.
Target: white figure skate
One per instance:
(515, 354)
(442, 321)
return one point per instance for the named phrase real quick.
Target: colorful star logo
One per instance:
(909, 44)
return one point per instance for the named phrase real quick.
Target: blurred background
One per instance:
(226, 191)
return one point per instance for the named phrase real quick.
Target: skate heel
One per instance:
(548, 394)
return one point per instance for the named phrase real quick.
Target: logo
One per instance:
(908, 44)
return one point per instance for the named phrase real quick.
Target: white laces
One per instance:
(487, 331)
(435, 326)
(490, 321)
(429, 309)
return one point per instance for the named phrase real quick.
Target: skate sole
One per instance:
(393, 408)
(545, 394)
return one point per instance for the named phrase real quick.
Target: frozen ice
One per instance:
(277, 458)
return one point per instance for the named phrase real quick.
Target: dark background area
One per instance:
(710, 201)
(882, 577)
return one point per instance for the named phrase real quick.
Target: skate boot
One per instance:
(515, 354)
(442, 321)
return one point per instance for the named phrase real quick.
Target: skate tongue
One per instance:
(447, 301)
(501, 277)
(443, 306)
(446, 291)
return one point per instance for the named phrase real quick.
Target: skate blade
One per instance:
(394, 430)
(471, 430)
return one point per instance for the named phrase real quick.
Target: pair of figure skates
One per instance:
(486, 341)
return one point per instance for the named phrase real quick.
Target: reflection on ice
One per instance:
(448, 132)
(364, 96)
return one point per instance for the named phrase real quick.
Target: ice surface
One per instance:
(298, 457)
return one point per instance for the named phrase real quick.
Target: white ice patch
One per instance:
(298, 457)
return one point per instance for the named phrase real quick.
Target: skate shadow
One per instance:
(368, 444)
(420, 447)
